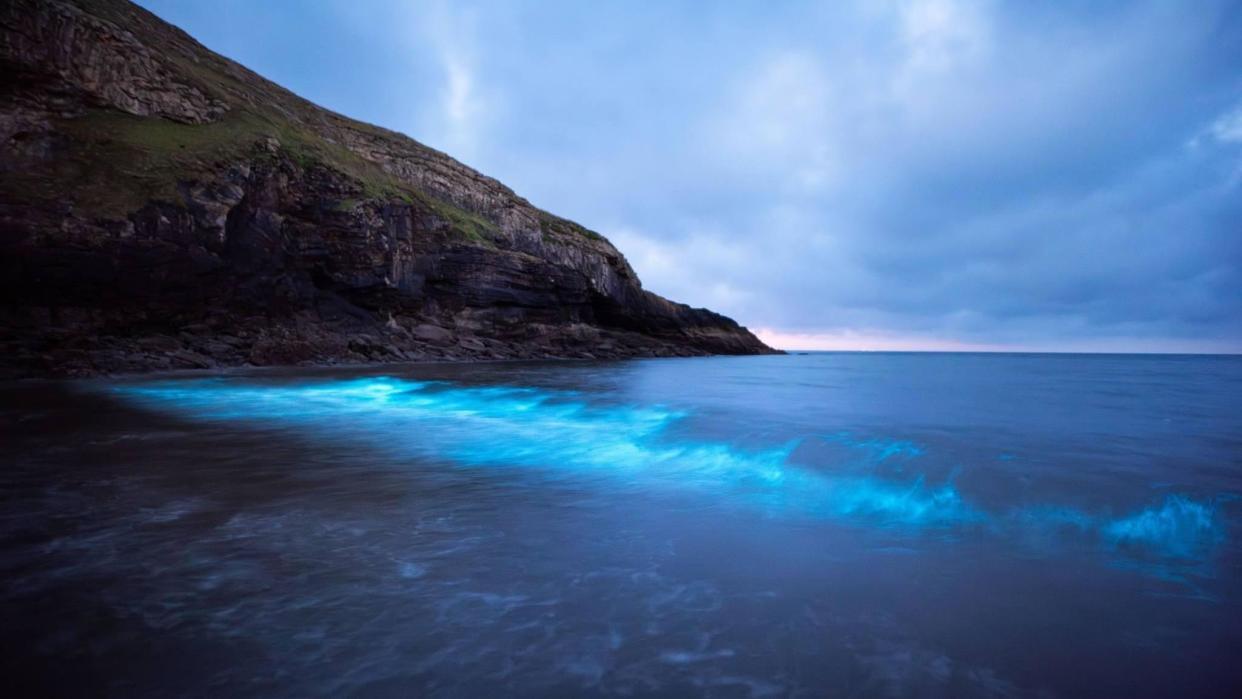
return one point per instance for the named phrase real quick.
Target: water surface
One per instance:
(807, 525)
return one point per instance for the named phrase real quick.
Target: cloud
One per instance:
(1228, 128)
(950, 173)
(940, 35)
(458, 123)
(778, 124)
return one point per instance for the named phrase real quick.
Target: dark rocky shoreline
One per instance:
(83, 355)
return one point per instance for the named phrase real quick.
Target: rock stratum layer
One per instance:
(164, 207)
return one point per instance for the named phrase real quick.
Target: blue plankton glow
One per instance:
(1178, 527)
(560, 434)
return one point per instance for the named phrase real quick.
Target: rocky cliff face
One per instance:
(164, 207)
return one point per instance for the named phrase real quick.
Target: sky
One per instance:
(931, 174)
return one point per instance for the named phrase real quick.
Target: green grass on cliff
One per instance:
(557, 226)
(117, 162)
(465, 223)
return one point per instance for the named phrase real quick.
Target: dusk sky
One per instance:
(935, 174)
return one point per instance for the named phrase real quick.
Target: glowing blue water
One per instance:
(557, 432)
(502, 426)
(863, 525)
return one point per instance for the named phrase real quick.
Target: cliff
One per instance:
(164, 207)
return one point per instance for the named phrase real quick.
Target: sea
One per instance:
(806, 525)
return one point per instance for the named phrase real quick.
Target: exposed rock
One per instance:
(472, 344)
(165, 207)
(105, 61)
(433, 334)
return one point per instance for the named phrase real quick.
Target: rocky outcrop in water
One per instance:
(164, 207)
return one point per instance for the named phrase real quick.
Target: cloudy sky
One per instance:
(932, 174)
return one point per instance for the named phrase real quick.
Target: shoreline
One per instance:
(247, 369)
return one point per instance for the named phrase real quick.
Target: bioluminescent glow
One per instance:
(1178, 527)
(556, 433)
(879, 449)
(631, 447)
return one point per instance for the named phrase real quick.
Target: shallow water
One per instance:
(808, 525)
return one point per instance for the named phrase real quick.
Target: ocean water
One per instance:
(942, 525)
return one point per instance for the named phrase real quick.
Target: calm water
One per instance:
(816, 525)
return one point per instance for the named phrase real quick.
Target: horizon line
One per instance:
(1013, 351)
(874, 340)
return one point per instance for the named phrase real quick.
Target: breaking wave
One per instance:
(561, 434)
